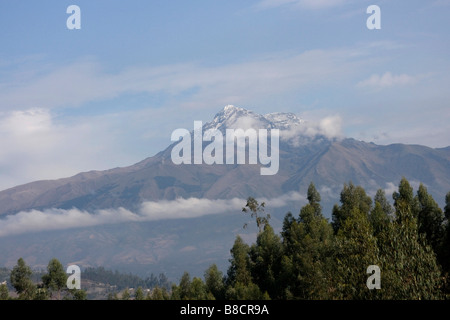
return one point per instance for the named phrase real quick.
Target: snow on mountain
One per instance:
(283, 120)
(160, 245)
(233, 117)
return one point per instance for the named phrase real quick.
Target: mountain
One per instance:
(176, 245)
(155, 178)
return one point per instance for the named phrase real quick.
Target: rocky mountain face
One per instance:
(173, 246)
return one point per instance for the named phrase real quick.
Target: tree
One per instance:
(245, 292)
(4, 293)
(239, 279)
(198, 290)
(307, 243)
(351, 197)
(78, 294)
(430, 219)
(313, 197)
(214, 282)
(381, 213)
(239, 269)
(266, 262)
(447, 206)
(56, 277)
(21, 280)
(158, 294)
(125, 294)
(139, 294)
(445, 251)
(356, 249)
(380, 197)
(257, 211)
(185, 286)
(409, 269)
(190, 290)
(404, 198)
(112, 296)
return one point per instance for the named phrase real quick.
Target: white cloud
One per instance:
(59, 219)
(86, 81)
(390, 189)
(37, 145)
(388, 80)
(329, 126)
(34, 145)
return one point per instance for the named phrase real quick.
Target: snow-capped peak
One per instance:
(236, 117)
(283, 120)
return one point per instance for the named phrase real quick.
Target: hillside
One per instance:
(159, 245)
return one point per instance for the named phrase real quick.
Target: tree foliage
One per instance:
(256, 211)
(56, 278)
(311, 258)
(21, 280)
(4, 292)
(307, 245)
(410, 268)
(352, 197)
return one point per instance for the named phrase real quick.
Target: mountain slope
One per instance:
(173, 246)
(329, 163)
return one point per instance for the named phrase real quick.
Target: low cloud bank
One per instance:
(61, 219)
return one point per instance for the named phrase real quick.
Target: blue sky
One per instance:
(111, 93)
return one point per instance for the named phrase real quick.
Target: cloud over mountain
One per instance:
(62, 219)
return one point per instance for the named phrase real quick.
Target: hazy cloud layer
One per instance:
(59, 219)
(85, 81)
(388, 80)
(40, 141)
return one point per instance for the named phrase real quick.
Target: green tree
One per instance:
(351, 197)
(380, 197)
(112, 296)
(239, 280)
(447, 206)
(430, 219)
(409, 269)
(185, 286)
(313, 197)
(41, 293)
(139, 294)
(256, 211)
(239, 269)
(79, 294)
(245, 292)
(4, 293)
(199, 291)
(404, 198)
(214, 282)
(356, 249)
(307, 244)
(159, 294)
(21, 280)
(445, 251)
(125, 294)
(266, 257)
(56, 278)
(381, 213)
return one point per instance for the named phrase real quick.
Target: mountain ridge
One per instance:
(157, 178)
(193, 243)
